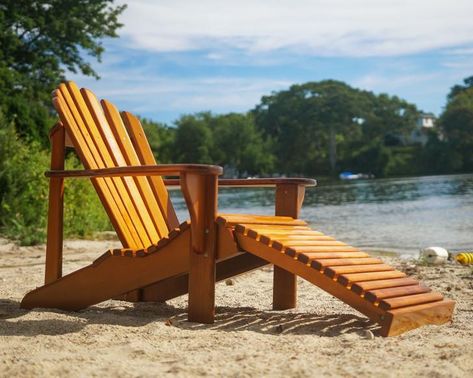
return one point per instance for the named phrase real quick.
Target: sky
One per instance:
(177, 57)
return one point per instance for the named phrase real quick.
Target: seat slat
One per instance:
(376, 295)
(280, 238)
(334, 271)
(321, 241)
(261, 228)
(360, 287)
(323, 248)
(321, 264)
(348, 279)
(232, 219)
(306, 257)
(409, 300)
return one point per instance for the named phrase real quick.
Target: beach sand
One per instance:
(322, 337)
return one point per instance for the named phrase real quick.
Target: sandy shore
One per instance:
(322, 337)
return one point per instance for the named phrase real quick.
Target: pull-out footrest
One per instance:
(398, 303)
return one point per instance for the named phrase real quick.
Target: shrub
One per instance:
(24, 193)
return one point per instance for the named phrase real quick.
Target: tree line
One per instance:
(322, 128)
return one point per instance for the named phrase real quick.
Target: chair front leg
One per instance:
(200, 193)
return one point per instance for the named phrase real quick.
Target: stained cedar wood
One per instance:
(53, 263)
(200, 193)
(111, 276)
(289, 198)
(131, 194)
(376, 295)
(409, 300)
(158, 228)
(106, 188)
(406, 318)
(143, 149)
(203, 213)
(348, 279)
(306, 243)
(161, 195)
(336, 271)
(307, 257)
(360, 287)
(91, 137)
(259, 219)
(269, 240)
(392, 323)
(323, 264)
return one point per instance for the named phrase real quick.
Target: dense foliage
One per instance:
(39, 41)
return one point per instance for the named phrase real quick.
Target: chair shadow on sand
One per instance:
(228, 319)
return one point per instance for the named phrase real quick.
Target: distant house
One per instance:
(420, 135)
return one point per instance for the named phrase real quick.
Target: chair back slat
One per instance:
(139, 207)
(145, 154)
(116, 196)
(104, 187)
(131, 157)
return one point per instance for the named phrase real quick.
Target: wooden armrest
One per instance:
(259, 182)
(141, 170)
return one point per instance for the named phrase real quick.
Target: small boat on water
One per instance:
(346, 175)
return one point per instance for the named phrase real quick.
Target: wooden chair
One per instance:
(162, 259)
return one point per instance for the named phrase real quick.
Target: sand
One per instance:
(322, 337)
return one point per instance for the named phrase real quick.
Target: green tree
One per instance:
(237, 143)
(161, 139)
(457, 89)
(457, 126)
(193, 140)
(39, 41)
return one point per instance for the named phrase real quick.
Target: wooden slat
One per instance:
(306, 257)
(334, 271)
(321, 264)
(88, 153)
(143, 149)
(347, 279)
(360, 287)
(110, 149)
(318, 241)
(322, 248)
(98, 150)
(376, 295)
(106, 188)
(404, 319)
(409, 300)
(268, 240)
(158, 227)
(261, 228)
(232, 219)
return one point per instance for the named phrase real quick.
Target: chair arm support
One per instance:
(141, 170)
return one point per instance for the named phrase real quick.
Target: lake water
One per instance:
(399, 215)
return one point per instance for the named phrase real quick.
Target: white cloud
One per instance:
(319, 27)
(153, 96)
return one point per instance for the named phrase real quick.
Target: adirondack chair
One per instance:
(162, 259)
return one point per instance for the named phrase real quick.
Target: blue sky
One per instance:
(181, 56)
